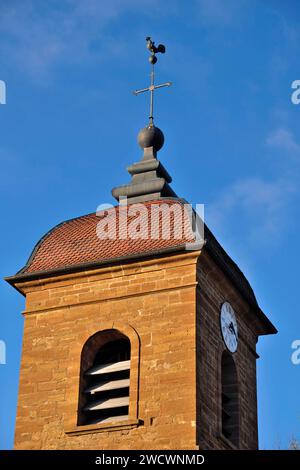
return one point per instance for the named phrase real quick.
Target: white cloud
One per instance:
(283, 139)
(258, 206)
(261, 207)
(35, 36)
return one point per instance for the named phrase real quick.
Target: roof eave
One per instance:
(31, 276)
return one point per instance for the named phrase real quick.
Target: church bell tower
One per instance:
(137, 335)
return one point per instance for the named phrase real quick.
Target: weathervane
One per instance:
(153, 59)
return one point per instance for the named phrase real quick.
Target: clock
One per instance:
(229, 327)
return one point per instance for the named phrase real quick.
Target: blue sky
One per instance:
(69, 129)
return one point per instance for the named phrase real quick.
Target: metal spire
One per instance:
(153, 59)
(149, 179)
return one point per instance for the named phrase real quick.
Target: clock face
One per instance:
(229, 327)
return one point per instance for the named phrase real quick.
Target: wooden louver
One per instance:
(107, 391)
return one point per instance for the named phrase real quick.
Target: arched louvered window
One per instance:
(230, 405)
(104, 381)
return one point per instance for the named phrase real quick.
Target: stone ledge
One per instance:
(112, 271)
(107, 427)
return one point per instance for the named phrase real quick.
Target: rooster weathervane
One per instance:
(153, 59)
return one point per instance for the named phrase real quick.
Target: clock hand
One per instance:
(231, 327)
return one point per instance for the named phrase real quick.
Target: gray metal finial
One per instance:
(153, 59)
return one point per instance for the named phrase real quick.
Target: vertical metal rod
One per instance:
(151, 96)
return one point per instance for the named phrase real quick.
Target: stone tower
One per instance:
(134, 339)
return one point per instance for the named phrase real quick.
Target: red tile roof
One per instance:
(75, 241)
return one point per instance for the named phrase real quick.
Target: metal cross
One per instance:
(152, 87)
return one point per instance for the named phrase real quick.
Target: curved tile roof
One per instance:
(76, 241)
(75, 244)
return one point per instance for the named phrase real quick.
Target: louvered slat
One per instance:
(107, 368)
(108, 403)
(110, 419)
(110, 385)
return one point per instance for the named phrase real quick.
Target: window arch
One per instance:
(104, 378)
(230, 405)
